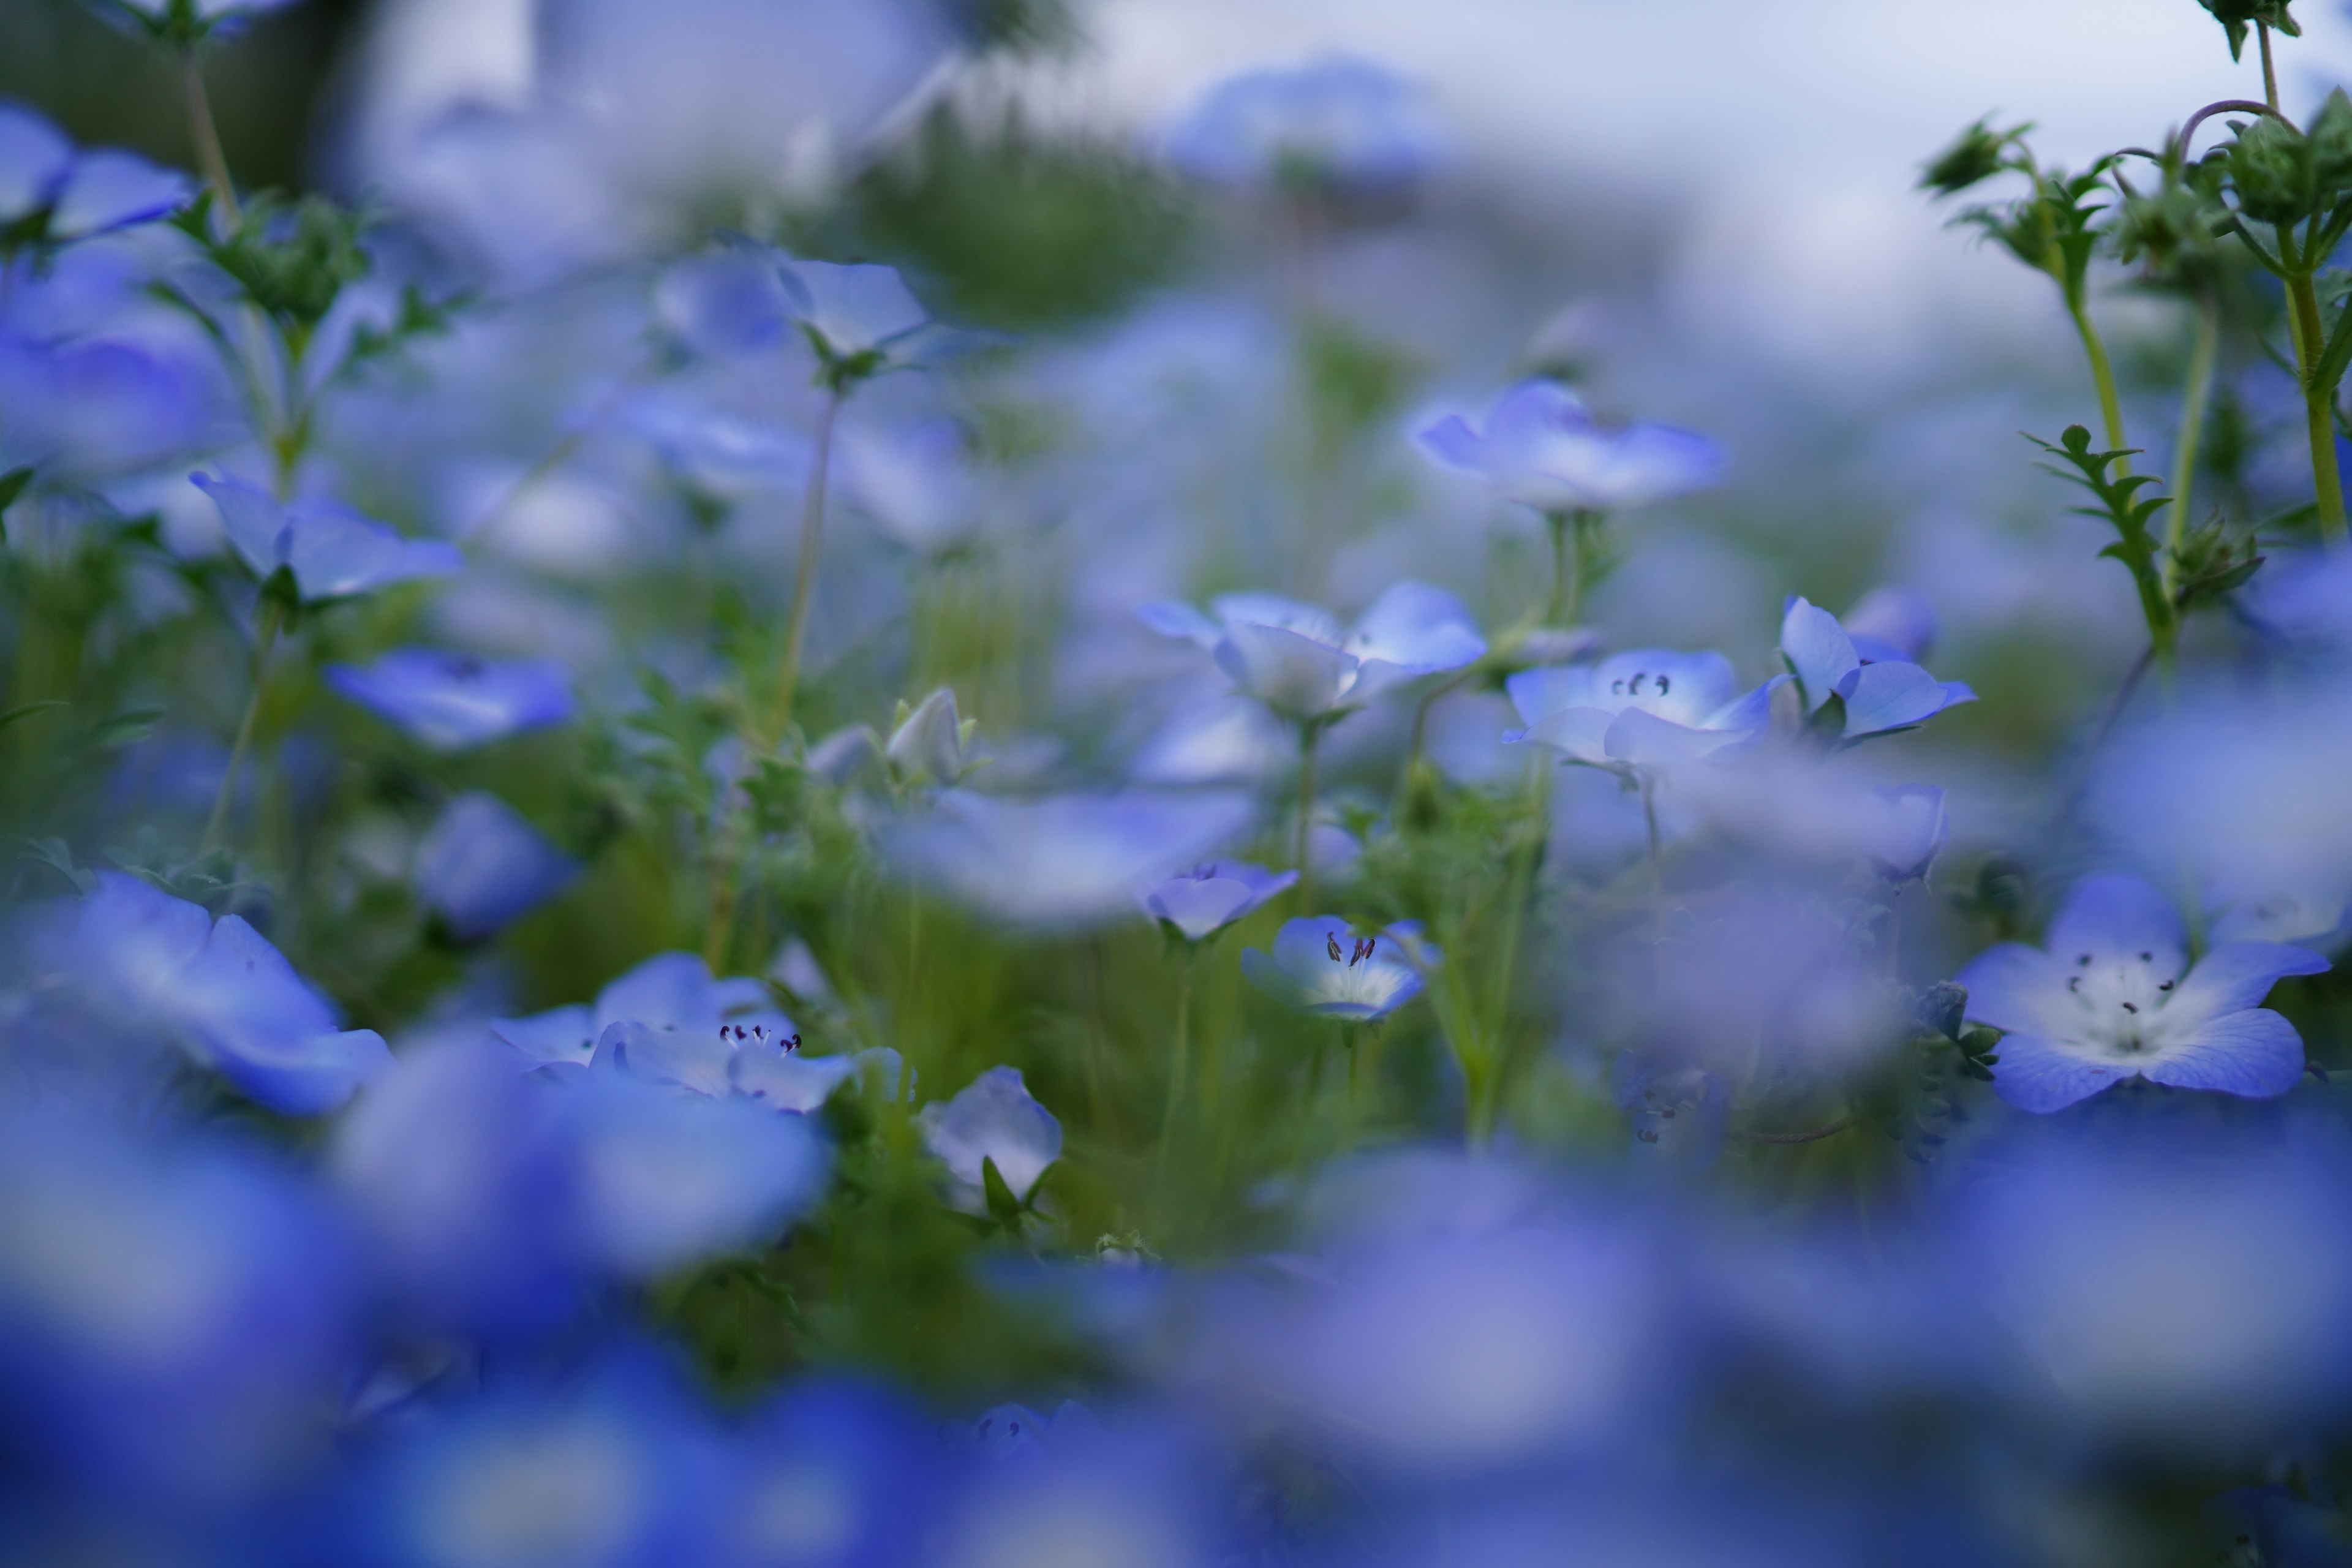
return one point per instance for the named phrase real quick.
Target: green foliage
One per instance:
(12, 485)
(1974, 157)
(2053, 227)
(1017, 230)
(292, 259)
(2121, 505)
(2237, 16)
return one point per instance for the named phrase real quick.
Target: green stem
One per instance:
(2203, 350)
(264, 639)
(1309, 733)
(206, 137)
(2111, 408)
(1178, 1054)
(1573, 556)
(2319, 414)
(2270, 70)
(788, 671)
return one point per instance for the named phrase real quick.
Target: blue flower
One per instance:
(1211, 896)
(160, 968)
(1890, 624)
(994, 1121)
(1298, 660)
(187, 21)
(1881, 697)
(745, 300)
(928, 743)
(332, 554)
(670, 991)
(1062, 860)
(1338, 121)
(1541, 448)
(1324, 965)
(1645, 707)
(481, 866)
(2113, 997)
(51, 191)
(1904, 830)
(452, 702)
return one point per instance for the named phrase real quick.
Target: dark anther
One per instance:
(2131, 1006)
(793, 1043)
(2147, 958)
(1331, 945)
(2075, 984)
(1645, 1135)
(1617, 688)
(1662, 685)
(2085, 960)
(2167, 985)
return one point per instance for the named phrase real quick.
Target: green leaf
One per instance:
(127, 727)
(12, 485)
(1002, 1205)
(28, 709)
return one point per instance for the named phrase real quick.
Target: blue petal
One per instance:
(1198, 905)
(1818, 651)
(1547, 688)
(335, 555)
(2256, 1053)
(853, 308)
(1895, 696)
(451, 701)
(1417, 628)
(482, 866)
(1452, 442)
(111, 190)
(1174, 618)
(2112, 918)
(35, 158)
(2014, 986)
(2041, 1075)
(2237, 975)
(255, 523)
(1295, 675)
(727, 303)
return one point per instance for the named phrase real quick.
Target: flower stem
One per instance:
(2319, 413)
(2270, 70)
(2202, 349)
(1309, 735)
(1179, 1051)
(206, 137)
(1574, 535)
(788, 669)
(264, 639)
(2103, 374)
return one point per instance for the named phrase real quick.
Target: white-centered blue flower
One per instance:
(670, 991)
(1649, 708)
(1541, 447)
(1300, 661)
(482, 866)
(996, 1121)
(1321, 965)
(744, 299)
(334, 553)
(1339, 121)
(50, 190)
(1881, 697)
(2114, 998)
(1211, 896)
(452, 702)
(1904, 829)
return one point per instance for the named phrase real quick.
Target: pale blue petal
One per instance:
(2014, 986)
(2254, 1052)
(255, 523)
(1174, 618)
(1546, 689)
(1274, 610)
(109, 190)
(2112, 918)
(1580, 732)
(334, 555)
(1894, 695)
(482, 866)
(2237, 975)
(694, 1059)
(786, 1080)
(727, 303)
(1453, 442)
(1199, 906)
(1295, 674)
(2041, 1075)
(1418, 629)
(853, 308)
(35, 158)
(1817, 650)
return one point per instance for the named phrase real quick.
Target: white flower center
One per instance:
(2122, 1003)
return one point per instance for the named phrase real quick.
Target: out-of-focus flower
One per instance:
(51, 191)
(153, 969)
(928, 743)
(672, 992)
(1541, 447)
(2114, 998)
(2182, 1289)
(669, 1179)
(1324, 965)
(1211, 896)
(918, 485)
(481, 866)
(1337, 123)
(832, 1471)
(1298, 660)
(1907, 830)
(332, 554)
(1881, 697)
(173, 1315)
(1890, 625)
(186, 21)
(452, 702)
(464, 1181)
(994, 1121)
(859, 318)
(1061, 860)
(1582, 710)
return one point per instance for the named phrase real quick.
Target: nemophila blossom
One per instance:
(1323, 965)
(1059, 860)
(1541, 447)
(1890, 624)
(928, 743)
(453, 702)
(2113, 997)
(1906, 829)
(1339, 122)
(1211, 896)
(52, 192)
(1299, 660)
(1645, 708)
(154, 969)
(859, 318)
(919, 485)
(670, 991)
(834, 1470)
(180, 21)
(177, 1312)
(994, 1121)
(1881, 697)
(332, 554)
(481, 866)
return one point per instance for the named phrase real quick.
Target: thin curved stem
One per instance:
(2203, 351)
(788, 671)
(2226, 106)
(206, 137)
(2270, 69)
(2103, 374)
(264, 639)
(1179, 1053)
(1818, 1133)
(1309, 733)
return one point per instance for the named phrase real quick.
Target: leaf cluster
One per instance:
(2238, 17)
(2120, 504)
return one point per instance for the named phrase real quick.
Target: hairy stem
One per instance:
(2111, 408)
(2319, 412)
(264, 639)
(2270, 70)
(2203, 350)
